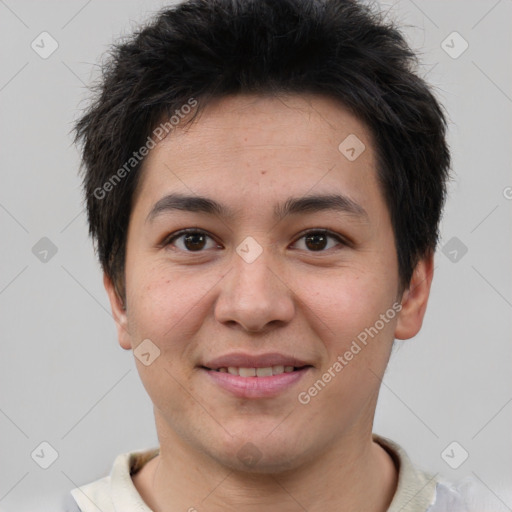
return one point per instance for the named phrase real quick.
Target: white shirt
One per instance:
(417, 490)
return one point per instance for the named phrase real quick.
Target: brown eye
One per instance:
(194, 241)
(191, 240)
(318, 241)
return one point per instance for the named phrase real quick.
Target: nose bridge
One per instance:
(255, 276)
(254, 295)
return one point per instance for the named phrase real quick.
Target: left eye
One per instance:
(196, 240)
(318, 240)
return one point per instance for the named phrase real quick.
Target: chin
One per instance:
(261, 465)
(260, 455)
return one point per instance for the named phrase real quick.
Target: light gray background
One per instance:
(63, 377)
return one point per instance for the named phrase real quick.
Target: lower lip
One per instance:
(256, 387)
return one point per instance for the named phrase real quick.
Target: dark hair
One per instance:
(206, 49)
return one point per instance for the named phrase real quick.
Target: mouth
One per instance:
(245, 375)
(267, 371)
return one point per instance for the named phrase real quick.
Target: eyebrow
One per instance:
(292, 206)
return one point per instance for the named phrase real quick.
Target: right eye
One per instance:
(191, 240)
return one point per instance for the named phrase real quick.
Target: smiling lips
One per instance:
(267, 371)
(244, 360)
(249, 376)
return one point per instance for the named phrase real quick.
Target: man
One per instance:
(264, 182)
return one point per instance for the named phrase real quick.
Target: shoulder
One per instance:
(94, 497)
(116, 491)
(422, 491)
(466, 495)
(448, 499)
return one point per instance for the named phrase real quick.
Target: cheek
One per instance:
(347, 315)
(344, 307)
(167, 306)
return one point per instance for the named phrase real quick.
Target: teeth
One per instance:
(247, 372)
(257, 372)
(264, 372)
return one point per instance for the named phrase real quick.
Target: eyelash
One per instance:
(174, 236)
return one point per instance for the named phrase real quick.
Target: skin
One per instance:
(250, 153)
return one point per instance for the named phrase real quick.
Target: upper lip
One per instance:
(242, 360)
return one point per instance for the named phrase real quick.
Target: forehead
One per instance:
(245, 145)
(266, 122)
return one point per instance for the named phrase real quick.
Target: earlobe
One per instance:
(118, 312)
(414, 299)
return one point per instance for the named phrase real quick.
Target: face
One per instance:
(291, 270)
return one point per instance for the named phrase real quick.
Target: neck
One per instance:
(355, 474)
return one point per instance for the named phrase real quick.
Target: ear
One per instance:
(118, 312)
(415, 298)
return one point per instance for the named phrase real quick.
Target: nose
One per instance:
(255, 296)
